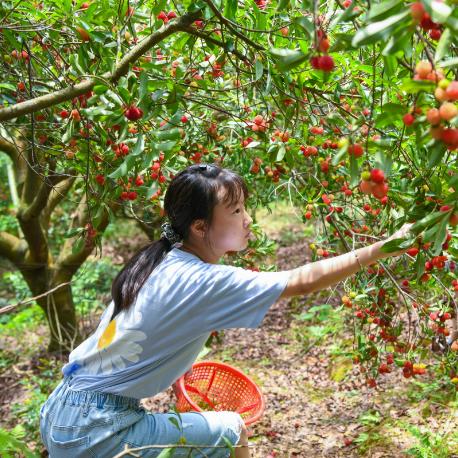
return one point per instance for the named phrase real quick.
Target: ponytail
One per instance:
(133, 275)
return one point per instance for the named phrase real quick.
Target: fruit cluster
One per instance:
(374, 183)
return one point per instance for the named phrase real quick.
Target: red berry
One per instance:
(413, 251)
(377, 176)
(133, 113)
(326, 63)
(379, 190)
(356, 150)
(408, 119)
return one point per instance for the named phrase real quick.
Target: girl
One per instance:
(166, 301)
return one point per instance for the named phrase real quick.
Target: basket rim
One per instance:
(181, 387)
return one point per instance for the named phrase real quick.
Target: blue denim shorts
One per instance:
(97, 425)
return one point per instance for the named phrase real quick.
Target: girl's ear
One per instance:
(198, 228)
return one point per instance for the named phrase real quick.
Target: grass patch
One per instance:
(281, 221)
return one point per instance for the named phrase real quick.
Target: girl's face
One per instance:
(229, 230)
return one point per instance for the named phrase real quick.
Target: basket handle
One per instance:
(246, 408)
(202, 395)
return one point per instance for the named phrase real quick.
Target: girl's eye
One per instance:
(237, 211)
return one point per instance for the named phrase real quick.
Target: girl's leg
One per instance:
(243, 452)
(207, 431)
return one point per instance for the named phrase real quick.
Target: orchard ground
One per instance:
(317, 402)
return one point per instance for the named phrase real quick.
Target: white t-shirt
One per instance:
(144, 350)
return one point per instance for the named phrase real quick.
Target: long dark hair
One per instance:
(192, 194)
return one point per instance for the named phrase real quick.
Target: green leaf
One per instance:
(347, 15)
(441, 234)
(425, 222)
(167, 453)
(414, 86)
(168, 134)
(397, 244)
(283, 4)
(230, 8)
(100, 89)
(440, 11)
(420, 264)
(288, 58)
(305, 25)
(152, 190)
(259, 69)
(354, 171)
(436, 153)
(443, 47)
(452, 62)
(382, 10)
(124, 168)
(139, 146)
(281, 152)
(378, 30)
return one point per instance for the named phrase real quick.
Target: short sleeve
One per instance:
(239, 298)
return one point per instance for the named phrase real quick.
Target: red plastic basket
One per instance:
(218, 386)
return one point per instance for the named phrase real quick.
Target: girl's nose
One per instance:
(248, 219)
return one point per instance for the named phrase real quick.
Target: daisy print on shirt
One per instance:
(119, 344)
(116, 344)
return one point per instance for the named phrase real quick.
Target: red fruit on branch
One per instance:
(184, 119)
(316, 130)
(379, 190)
(377, 176)
(326, 63)
(433, 116)
(84, 34)
(162, 16)
(417, 11)
(100, 179)
(435, 34)
(423, 69)
(133, 113)
(453, 221)
(450, 136)
(413, 251)
(76, 115)
(448, 111)
(366, 187)
(355, 150)
(64, 114)
(451, 93)
(408, 119)
(171, 15)
(21, 86)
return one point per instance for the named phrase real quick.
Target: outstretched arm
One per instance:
(327, 272)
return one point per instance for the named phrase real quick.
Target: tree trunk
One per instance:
(58, 307)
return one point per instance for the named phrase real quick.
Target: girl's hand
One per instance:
(402, 232)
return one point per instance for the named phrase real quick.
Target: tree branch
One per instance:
(11, 247)
(216, 42)
(69, 263)
(44, 101)
(10, 149)
(55, 197)
(41, 198)
(230, 25)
